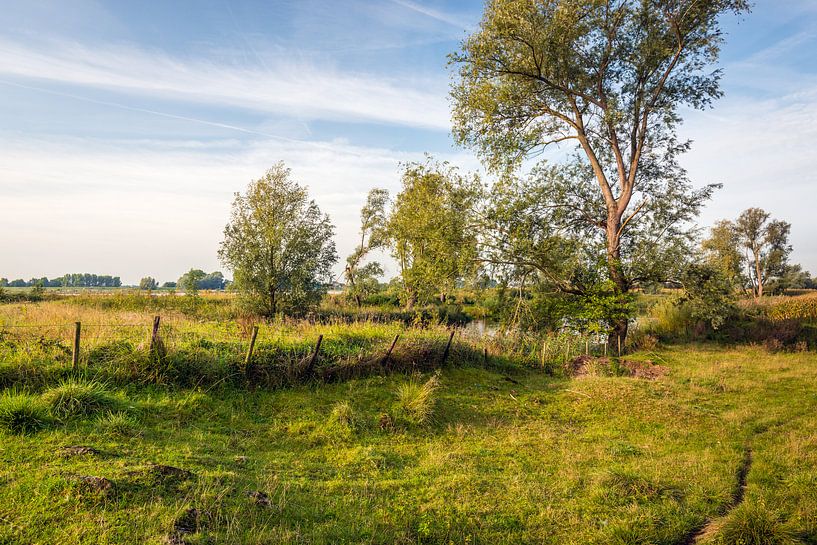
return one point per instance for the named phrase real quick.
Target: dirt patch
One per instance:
(594, 366)
(77, 450)
(261, 499)
(93, 484)
(158, 475)
(169, 473)
(644, 369)
(189, 522)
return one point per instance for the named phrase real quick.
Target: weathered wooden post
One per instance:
(485, 355)
(619, 346)
(75, 354)
(314, 355)
(447, 347)
(385, 359)
(248, 358)
(154, 335)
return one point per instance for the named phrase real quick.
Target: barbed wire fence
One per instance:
(236, 344)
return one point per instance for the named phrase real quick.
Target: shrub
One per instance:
(751, 523)
(416, 401)
(21, 413)
(74, 397)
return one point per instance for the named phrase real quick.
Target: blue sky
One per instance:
(127, 126)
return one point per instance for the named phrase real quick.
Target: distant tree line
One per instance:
(73, 280)
(197, 279)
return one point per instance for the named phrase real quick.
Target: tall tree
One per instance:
(431, 229)
(278, 244)
(767, 247)
(609, 76)
(545, 231)
(360, 277)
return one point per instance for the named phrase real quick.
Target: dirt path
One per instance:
(699, 534)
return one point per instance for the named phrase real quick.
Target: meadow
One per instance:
(504, 441)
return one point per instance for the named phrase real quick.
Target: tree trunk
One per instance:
(273, 303)
(759, 278)
(618, 325)
(410, 300)
(351, 276)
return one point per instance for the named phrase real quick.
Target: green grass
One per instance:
(21, 413)
(78, 397)
(516, 459)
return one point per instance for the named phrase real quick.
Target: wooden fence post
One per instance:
(248, 359)
(388, 353)
(619, 346)
(75, 354)
(314, 355)
(154, 335)
(485, 355)
(447, 347)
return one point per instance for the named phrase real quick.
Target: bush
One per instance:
(21, 413)
(75, 397)
(416, 401)
(751, 523)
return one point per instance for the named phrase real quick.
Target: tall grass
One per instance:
(77, 397)
(416, 400)
(21, 413)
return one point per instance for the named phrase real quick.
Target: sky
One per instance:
(126, 127)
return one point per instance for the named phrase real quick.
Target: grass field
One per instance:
(506, 456)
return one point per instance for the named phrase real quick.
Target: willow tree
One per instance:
(608, 76)
(362, 278)
(278, 244)
(431, 230)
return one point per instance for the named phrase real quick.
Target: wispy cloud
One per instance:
(762, 151)
(286, 85)
(159, 206)
(433, 13)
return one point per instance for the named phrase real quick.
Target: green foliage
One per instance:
(278, 245)
(21, 413)
(78, 397)
(722, 251)
(708, 294)
(362, 278)
(431, 230)
(196, 279)
(416, 400)
(148, 283)
(612, 78)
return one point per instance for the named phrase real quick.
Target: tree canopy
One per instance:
(278, 245)
(431, 229)
(608, 76)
